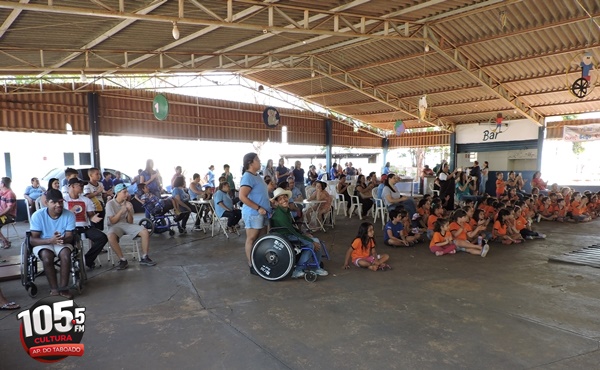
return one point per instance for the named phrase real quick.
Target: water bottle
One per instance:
(479, 240)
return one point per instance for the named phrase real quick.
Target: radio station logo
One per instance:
(52, 329)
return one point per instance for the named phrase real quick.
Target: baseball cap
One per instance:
(54, 195)
(119, 188)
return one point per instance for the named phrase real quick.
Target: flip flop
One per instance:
(10, 306)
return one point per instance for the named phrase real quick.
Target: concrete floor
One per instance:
(199, 308)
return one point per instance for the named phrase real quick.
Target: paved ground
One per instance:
(199, 308)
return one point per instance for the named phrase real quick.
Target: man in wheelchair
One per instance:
(283, 223)
(52, 235)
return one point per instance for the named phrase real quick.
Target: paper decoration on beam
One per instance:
(271, 117)
(399, 127)
(422, 107)
(584, 85)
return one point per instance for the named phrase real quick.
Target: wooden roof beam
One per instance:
(463, 62)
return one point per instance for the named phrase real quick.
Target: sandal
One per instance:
(6, 245)
(384, 267)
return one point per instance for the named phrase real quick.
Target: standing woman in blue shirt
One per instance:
(254, 195)
(299, 178)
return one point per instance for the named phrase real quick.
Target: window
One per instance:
(85, 159)
(69, 159)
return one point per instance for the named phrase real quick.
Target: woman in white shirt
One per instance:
(392, 197)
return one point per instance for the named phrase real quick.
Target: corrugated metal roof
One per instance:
(364, 58)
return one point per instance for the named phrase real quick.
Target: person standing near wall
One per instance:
(476, 174)
(484, 178)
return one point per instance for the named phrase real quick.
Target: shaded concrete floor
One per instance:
(199, 308)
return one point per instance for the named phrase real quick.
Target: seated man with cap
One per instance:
(282, 218)
(119, 214)
(85, 211)
(52, 236)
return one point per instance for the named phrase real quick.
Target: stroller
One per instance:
(161, 217)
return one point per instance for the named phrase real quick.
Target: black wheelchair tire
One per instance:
(273, 257)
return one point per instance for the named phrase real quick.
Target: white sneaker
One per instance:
(485, 250)
(541, 236)
(539, 217)
(321, 272)
(298, 274)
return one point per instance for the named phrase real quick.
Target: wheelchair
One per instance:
(30, 269)
(161, 219)
(274, 257)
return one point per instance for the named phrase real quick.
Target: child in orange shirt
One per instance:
(461, 232)
(363, 253)
(437, 211)
(500, 231)
(578, 208)
(423, 209)
(523, 226)
(561, 210)
(592, 206)
(500, 185)
(441, 242)
(545, 211)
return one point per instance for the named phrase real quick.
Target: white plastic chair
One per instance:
(342, 204)
(354, 202)
(129, 245)
(434, 192)
(379, 209)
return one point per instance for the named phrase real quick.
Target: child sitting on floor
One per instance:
(501, 231)
(461, 230)
(441, 242)
(363, 253)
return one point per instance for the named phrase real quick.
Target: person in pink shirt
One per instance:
(8, 208)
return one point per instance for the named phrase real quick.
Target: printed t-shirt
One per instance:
(395, 228)
(80, 207)
(520, 223)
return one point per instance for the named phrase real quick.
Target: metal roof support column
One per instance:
(328, 144)
(540, 146)
(94, 128)
(385, 145)
(452, 159)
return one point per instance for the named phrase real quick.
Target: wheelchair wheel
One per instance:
(78, 271)
(147, 223)
(171, 232)
(310, 276)
(273, 257)
(24, 263)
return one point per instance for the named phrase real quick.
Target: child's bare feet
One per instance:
(439, 253)
(452, 251)
(373, 267)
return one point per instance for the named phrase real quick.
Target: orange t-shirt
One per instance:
(358, 251)
(431, 221)
(562, 212)
(500, 228)
(520, 223)
(437, 238)
(575, 210)
(500, 186)
(463, 235)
